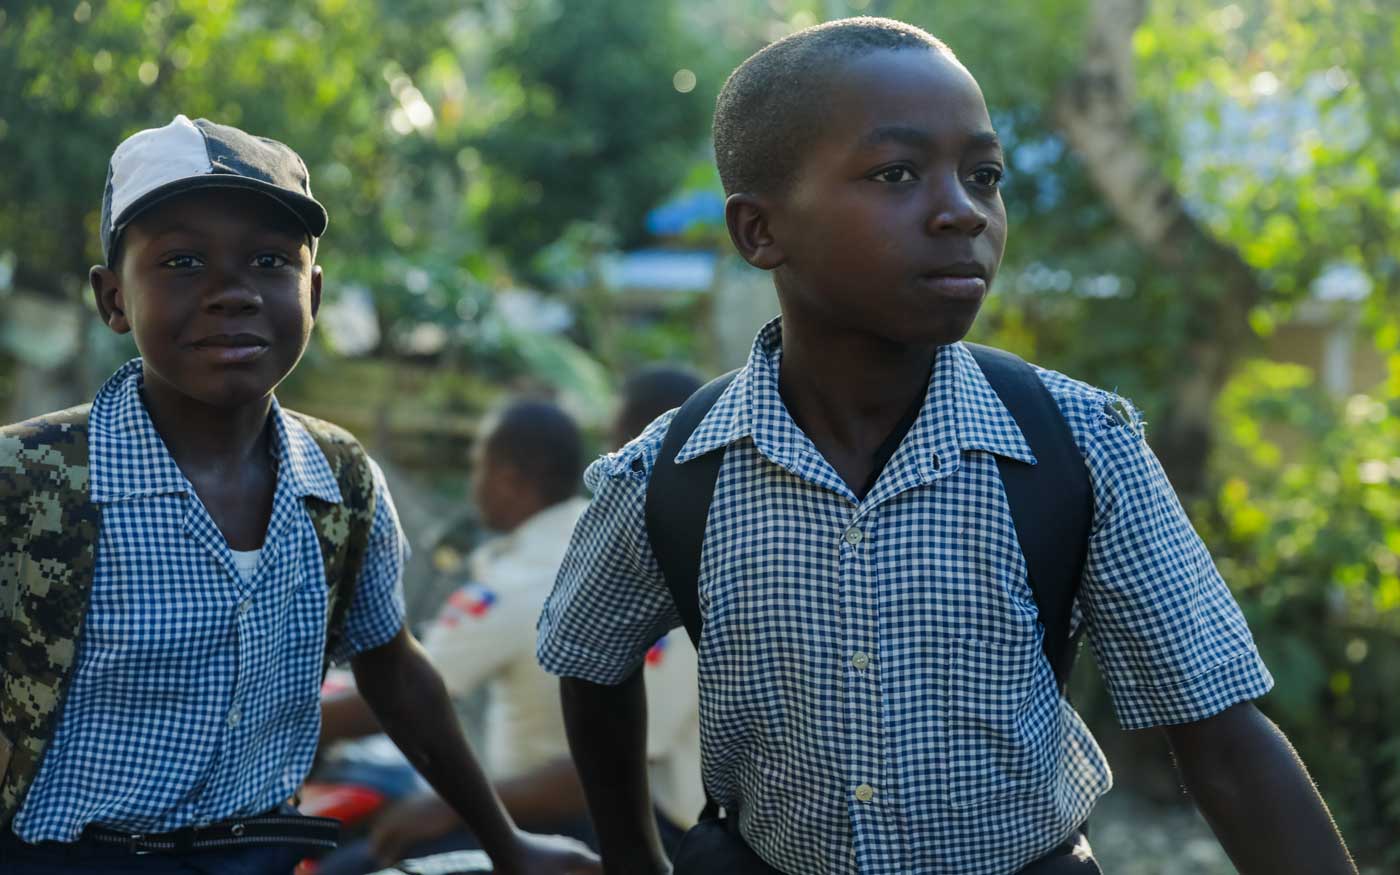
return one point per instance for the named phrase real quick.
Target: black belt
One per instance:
(266, 829)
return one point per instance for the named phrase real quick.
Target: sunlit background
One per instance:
(1205, 208)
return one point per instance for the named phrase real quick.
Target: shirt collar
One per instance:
(129, 459)
(961, 411)
(300, 461)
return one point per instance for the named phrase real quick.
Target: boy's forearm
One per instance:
(412, 704)
(607, 729)
(1257, 796)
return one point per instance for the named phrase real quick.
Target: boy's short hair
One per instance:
(541, 441)
(771, 104)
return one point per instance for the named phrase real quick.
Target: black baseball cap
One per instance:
(157, 163)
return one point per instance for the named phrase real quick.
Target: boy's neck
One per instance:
(847, 391)
(204, 438)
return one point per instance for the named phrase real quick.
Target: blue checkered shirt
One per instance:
(195, 696)
(873, 693)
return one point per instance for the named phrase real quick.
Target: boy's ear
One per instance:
(108, 295)
(747, 218)
(315, 290)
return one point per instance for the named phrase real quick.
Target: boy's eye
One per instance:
(182, 262)
(896, 174)
(270, 261)
(988, 177)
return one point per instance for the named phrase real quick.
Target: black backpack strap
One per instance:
(678, 504)
(1052, 502)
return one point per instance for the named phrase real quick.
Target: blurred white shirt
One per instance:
(673, 728)
(485, 636)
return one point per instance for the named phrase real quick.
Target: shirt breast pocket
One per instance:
(1002, 719)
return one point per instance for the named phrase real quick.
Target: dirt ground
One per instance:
(1134, 837)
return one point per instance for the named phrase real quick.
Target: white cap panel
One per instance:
(152, 158)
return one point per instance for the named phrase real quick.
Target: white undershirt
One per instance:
(246, 561)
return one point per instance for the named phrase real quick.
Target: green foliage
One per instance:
(590, 86)
(1306, 527)
(1277, 116)
(436, 133)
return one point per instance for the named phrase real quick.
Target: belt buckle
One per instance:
(133, 841)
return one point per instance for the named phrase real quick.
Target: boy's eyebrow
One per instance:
(906, 134)
(986, 139)
(920, 138)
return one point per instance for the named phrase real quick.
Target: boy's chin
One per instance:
(938, 332)
(229, 395)
(231, 399)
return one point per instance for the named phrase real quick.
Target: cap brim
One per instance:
(307, 211)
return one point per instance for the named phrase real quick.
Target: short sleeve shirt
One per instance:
(195, 694)
(873, 693)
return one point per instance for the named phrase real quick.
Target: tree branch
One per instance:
(1094, 111)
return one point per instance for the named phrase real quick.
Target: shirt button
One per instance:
(865, 792)
(234, 716)
(860, 660)
(854, 536)
(244, 606)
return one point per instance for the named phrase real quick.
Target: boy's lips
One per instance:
(232, 348)
(953, 285)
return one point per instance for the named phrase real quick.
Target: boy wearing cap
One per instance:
(874, 693)
(172, 589)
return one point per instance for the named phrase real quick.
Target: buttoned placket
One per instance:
(871, 800)
(871, 819)
(243, 620)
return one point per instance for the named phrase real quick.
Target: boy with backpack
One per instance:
(180, 559)
(882, 625)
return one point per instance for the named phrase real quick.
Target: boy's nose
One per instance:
(233, 294)
(954, 211)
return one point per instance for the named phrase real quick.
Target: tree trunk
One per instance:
(1095, 113)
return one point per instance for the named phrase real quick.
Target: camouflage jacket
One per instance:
(48, 547)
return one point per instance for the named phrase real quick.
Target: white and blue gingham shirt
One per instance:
(873, 693)
(195, 696)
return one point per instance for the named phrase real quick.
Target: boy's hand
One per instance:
(411, 702)
(548, 855)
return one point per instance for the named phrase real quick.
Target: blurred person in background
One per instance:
(673, 692)
(526, 472)
(649, 392)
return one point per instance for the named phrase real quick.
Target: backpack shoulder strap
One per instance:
(343, 529)
(678, 504)
(48, 551)
(1051, 502)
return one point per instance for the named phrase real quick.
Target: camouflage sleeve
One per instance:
(377, 613)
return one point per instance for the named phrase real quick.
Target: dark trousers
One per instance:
(87, 858)
(354, 858)
(716, 846)
(1074, 857)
